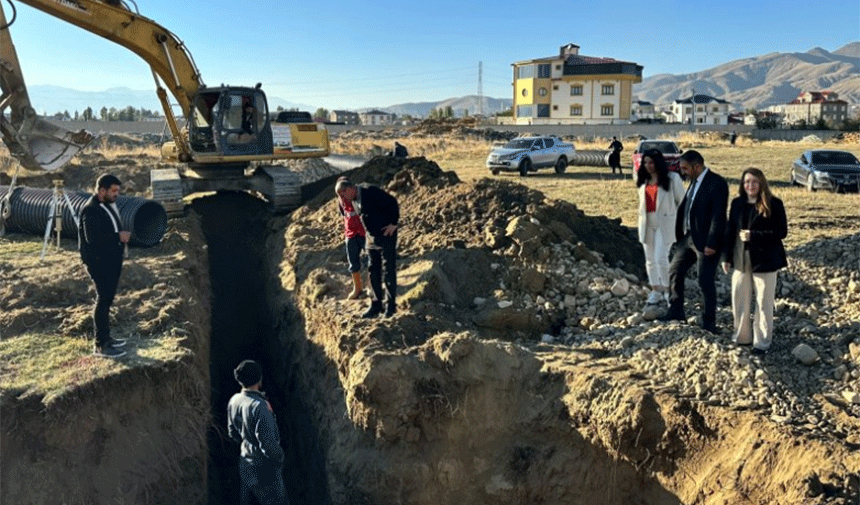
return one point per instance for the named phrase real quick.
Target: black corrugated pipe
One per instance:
(146, 219)
(590, 158)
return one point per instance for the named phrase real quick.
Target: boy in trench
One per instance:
(251, 422)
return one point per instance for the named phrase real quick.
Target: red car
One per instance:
(669, 149)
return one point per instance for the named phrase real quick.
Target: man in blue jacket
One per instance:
(102, 241)
(380, 214)
(251, 422)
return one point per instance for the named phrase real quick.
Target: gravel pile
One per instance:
(809, 380)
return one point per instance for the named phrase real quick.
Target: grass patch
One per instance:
(49, 365)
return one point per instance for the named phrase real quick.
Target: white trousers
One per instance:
(759, 331)
(656, 253)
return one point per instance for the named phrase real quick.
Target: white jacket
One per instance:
(667, 208)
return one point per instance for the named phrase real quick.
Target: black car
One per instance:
(826, 169)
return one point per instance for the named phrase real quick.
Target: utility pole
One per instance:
(480, 88)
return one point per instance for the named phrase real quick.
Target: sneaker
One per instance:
(116, 342)
(653, 298)
(759, 352)
(390, 310)
(108, 351)
(672, 316)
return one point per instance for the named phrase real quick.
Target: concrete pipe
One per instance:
(590, 158)
(146, 219)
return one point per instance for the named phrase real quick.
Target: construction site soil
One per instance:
(518, 368)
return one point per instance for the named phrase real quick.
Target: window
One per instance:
(700, 109)
(716, 109)
(555, 107)
(558, 67)
(716, 120)
(607, 89)
(576, 90)
(544, 71)
(555, 87)
(576, 110)
(524, 111)
(538, 144)
(607, 110)
(525, 92)
(526, 72)
(548, 143)
(542, 92)
(543, 110)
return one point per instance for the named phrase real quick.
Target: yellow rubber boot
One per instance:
(356, 290)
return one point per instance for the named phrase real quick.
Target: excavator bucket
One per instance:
(36, 143)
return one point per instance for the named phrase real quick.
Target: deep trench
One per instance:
(248, 321)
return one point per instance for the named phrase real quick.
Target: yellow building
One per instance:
(574, 89)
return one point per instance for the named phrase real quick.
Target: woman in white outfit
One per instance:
(754, 252)
(660, 193)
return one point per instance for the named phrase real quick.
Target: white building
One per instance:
(377, 118)
(642, 111)
(701, 110)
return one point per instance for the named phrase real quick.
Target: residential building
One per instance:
(701, 110)
(573, 89)
(344, 116)
(377, 118)
(810, 106)
(642, 111)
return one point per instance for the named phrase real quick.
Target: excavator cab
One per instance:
(230, 121)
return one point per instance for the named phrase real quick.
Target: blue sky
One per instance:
(349, 54)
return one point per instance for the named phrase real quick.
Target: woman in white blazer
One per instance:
(660, 193)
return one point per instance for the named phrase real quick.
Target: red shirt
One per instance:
(651, 197)
(352, 226)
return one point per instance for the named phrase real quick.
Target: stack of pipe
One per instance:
(590, 158)
(146, 219)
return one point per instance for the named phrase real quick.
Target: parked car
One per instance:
(826, 169)
(669, 149)
(527, 154)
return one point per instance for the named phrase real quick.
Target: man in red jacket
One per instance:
(355, 241)
(379, 214)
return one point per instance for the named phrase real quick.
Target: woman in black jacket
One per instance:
(754, 250)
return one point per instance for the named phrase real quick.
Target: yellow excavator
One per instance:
(226, 140)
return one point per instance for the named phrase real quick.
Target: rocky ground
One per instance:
(520, 367)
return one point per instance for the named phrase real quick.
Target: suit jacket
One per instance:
(667, 208)
(708, 215)
(377, 209)
(99, 240)
(767, 254)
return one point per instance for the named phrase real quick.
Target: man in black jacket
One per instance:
(380, 214)
(251, 422)
(102, 241)
(700, 232)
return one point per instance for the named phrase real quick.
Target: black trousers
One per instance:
(382, 252)
(106, 278)
(685, 255)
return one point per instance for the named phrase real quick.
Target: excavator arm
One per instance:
(170, 61)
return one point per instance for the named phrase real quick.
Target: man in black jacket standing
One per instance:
(380, 214)
(700, 232)
(102, 241)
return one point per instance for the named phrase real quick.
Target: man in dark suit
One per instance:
(102, 241)
(380, 214)
(699, 231)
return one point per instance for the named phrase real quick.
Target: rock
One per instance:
(635, 319)
(479, 301)
(805, 354)
(532, 281)
(628, 342)
(620, 287)
(547, 338)
(854, 350)
(652, 312)
(505, 304)
(840, 372)
(851, 396)
(569, 301)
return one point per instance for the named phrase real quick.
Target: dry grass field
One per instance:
(597, 191)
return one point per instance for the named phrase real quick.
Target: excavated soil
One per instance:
(515, 371)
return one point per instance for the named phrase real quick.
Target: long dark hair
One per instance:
(642, 176)
(762, 204)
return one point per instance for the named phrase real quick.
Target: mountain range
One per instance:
(756, 82)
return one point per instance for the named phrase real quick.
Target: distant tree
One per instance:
(321, 113)
(506, 113)
(88, 114)
(449, 111)
(821, 124)
(67, 116)
(280, 108)
(751, 111)
(103, 114)
(765, 122)
(77, 116)
(850, 125)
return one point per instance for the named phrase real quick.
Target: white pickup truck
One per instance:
(527, 154)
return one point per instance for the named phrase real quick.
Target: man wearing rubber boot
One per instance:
(380, 214)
